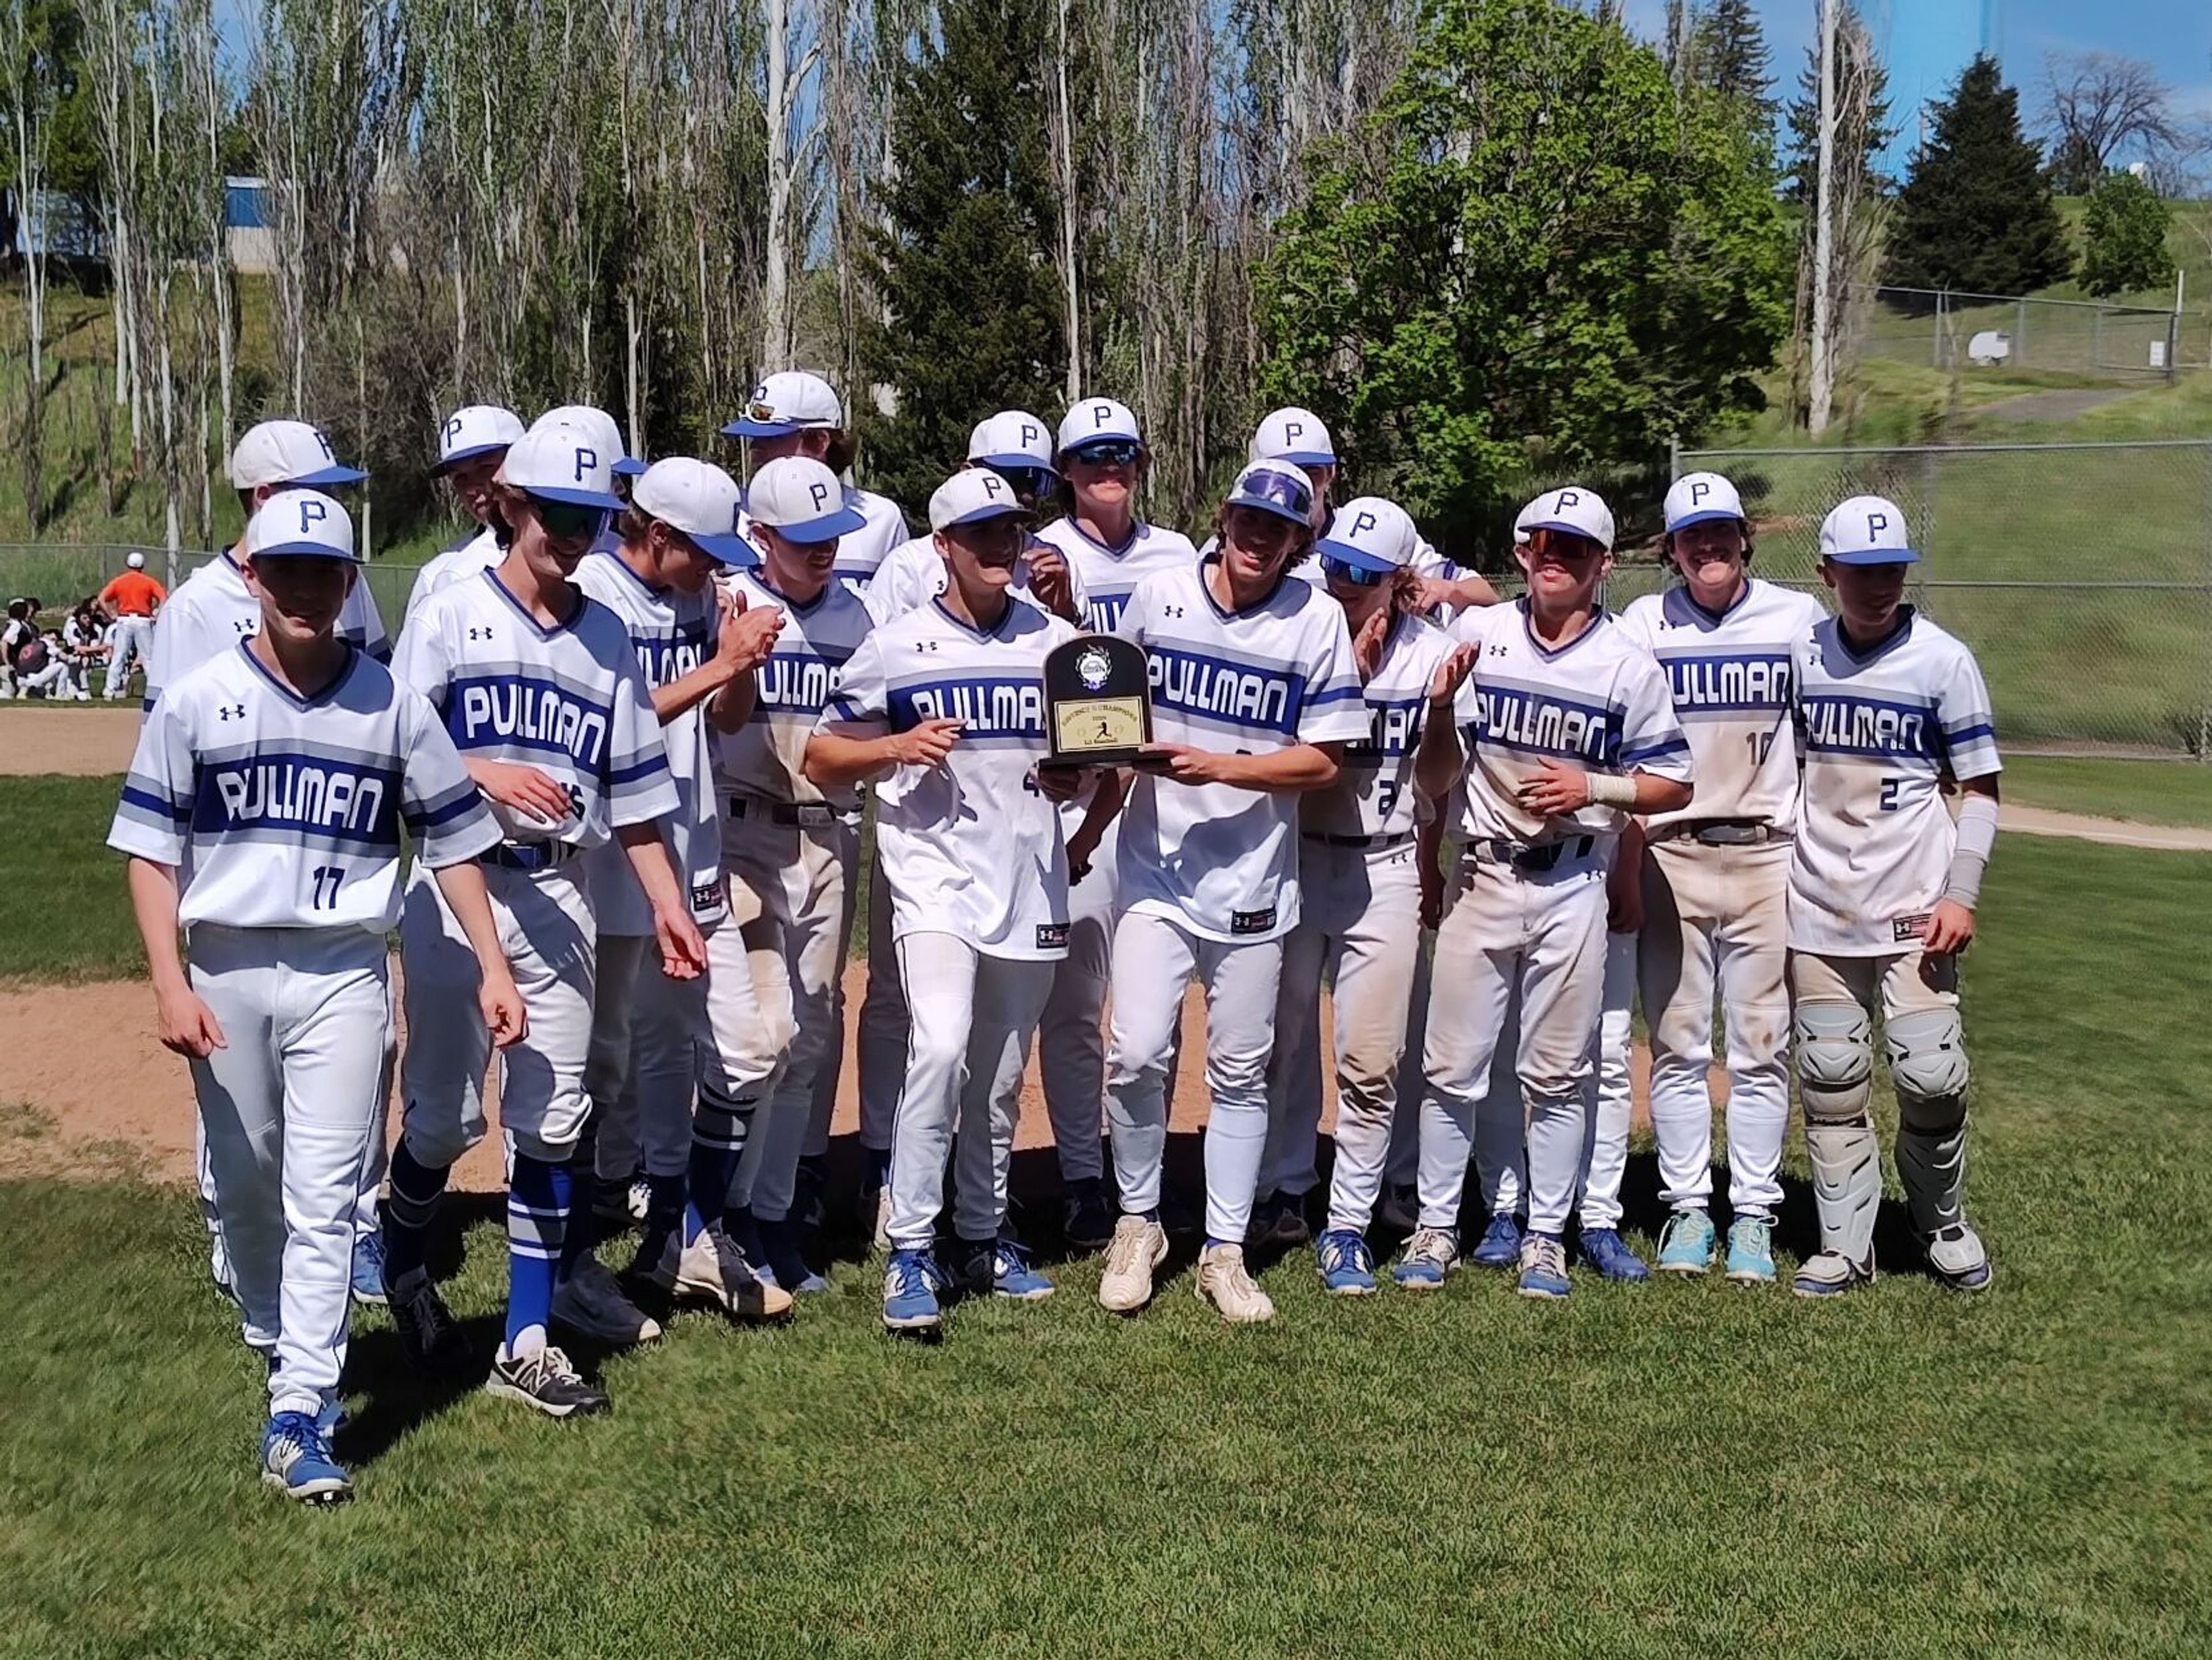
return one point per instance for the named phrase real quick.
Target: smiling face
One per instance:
(1257, 546)
(799, 571)
(1564, 570)
(1104, 476)
(300, 594)
(682, 563)
(1868, 595)
(982, 556)
(1712, 557)
(552, 537)
(470, 483)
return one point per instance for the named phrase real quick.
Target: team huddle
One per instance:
(628, 729)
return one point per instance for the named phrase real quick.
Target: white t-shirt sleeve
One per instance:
(421, 661)
(638, 786)
(444, 814)
(1651, 739)
(154, 818)
(1333, 710)
(1969, 725)
(860, 698)
(361, 614)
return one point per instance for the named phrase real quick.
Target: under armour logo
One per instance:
(244, 626)
(925, 645)
(1171, 610)
(230, 711)
(1497, 651)
(484, 633)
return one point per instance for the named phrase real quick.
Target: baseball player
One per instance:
(945, 707)
(133, 599)
(1359, 899)
(471, 444)
(262, 813)
(1557, 727)
(791, 848)
(1882, 891)
(678, 531)
(539, 687)
(795, 413)
(1254, 696)
(1714, 877)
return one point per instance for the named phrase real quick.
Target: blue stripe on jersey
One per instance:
(663, 660)
(1869, 726)
(1637, 755)
(1979, 730)
(1728, 680)
(1394, 728)
(460, 806)
(1534, 723)
(180, 811)
(1232, 693)
(523, 712)
(646, 766)
(795, 682)
(987, 705)
(274, 790)
(1103, 611)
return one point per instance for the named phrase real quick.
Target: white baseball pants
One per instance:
(290, 1108)
(1154, 959)
(127, 644)
(1607, 1097)
(1543, 934)
(973, 1018)
(1072, 1036)
(1724, 908)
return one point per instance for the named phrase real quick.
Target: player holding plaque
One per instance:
(1098, 705)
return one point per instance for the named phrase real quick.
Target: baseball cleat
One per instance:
(591, 1303)
(1223, 1281)
(426, 1326)
(1139, 1245)
(911, 1279)
(1956, 1258)
(1001, 1267)
(1831, 1273)
(1604, 1249)
(1429, 1255)
(1278, 1218)
(785, 1263)
(1401, 1209)
(876, 1196)
(1544, 1267)
(544, 1378)
(810, 1204)
(613, 1205)
(369, 1269)
(1685, 1243)
(296, 1460)
(1348, 1267)
(1500, 1245)
(1751, 1250)
(713, 1268)
(1087, 1220)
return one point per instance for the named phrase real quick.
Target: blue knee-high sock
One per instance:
(718, 1143)
(538, 1198)
(407, 1213)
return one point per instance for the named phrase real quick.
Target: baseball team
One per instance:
(627, 730)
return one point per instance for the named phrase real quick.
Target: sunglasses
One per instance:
(1343, 570)
(1110, 452)
(567, 521)
(1030, 481)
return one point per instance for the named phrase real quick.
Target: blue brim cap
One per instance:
(574, 498)
(741, 428)
(447, 463)
(330, 475)
(1877, 556)
(627, 468)
(1345, 553)
(1269, 504)
(988, 511)
(731, 550)
(1018, 462)
(304, 550)
(1307, 458)
(844, 522)
(1706, 516)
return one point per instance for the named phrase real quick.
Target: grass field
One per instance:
(1662, 1470)
(2147, 792)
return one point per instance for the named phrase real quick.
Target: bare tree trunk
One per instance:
(1821, 390)
(1063, 156)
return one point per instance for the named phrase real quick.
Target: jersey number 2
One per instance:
(326, 879)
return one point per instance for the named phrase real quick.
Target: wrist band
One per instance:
(1612, 790)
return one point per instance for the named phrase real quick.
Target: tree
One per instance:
(1976, 215)
(2125, 230)
(1728, 57)
(1544, 259)
(2098, 106)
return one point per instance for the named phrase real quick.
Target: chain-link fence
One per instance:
(2081, 575)
(2082, 337)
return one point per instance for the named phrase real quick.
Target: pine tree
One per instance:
(1728, 57)
(1860, 139)
(965, 266)
(1976, 215)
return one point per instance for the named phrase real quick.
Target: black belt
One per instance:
(1721, 832)
(1521, 856)
(1367, 842)
(528, 855)
(802, 815)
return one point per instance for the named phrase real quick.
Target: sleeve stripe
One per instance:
(147, 801)
(1653, 751)
(422, 821)
(647, 766)
(1968, 734)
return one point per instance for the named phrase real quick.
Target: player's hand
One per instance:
(747, 635)
(501, 1003)
(1557, 787)
(1451, 674)
(1950, 930)
(1049, 583)
(1432, 897)
(1367, 644)
(683, 947)
(1187, 765)
(927, 744)
(187, 1025)
(525, 789)
(1061, 783)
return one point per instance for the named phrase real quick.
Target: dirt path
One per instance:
(2114, 832)
(70, 739)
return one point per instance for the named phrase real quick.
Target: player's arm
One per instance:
(840, 759)
(1106, 806)
(1653, 759)
(184, 1023)
(741, 645)
(1429, 844)
(1463, 592)
(463, 886)
(682, 948)
(1624, 882)
(1951, 924)
(1440, 762)
(1292, 770)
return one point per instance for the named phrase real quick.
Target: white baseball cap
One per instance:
(1370, 532)
(1867, 530)
(137, 560)
(701, 499)
(475, 429)
(1012, 438)
(1695, 498)
(1294, 434)
(600, 428)
(1576, 508)
(798, 496)
(787, 402)
(288, 453)
(560, 463)
(1097, 420)
(970, 496)
(301, 521)
(1276, 487)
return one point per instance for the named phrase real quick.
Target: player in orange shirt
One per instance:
(131, 599)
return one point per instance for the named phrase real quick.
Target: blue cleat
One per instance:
(1348, 1267)
(1429, 1255)
(369, 1269)
(1544, 1267)
(1751, 1250)
(1604, 1249)
(1685, 1243)
(911, 1281)
(296, 1459)
(1001, 1269)
(1501, 1243)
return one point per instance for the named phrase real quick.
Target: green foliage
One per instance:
(53, 78)
(1541, 259)
(973, 315)
(2126, 228)
(1976, 215)
(1860, 145)
(1728, 57)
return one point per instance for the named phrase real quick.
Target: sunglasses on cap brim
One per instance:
(1110, 452)
(1027, 481)
(570, 521)
(1343, 570)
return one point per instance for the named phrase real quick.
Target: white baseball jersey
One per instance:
(914, 573)
(280, 812)
(790, 691)
(464, 559)
(1219, 860)
(1374, 794)
(1106, 576)
(80, 637)
(1881, 734)
(672, 633)
(971, 848)
(1598, 702)
(568, 700)
(211, 611)
(1730, 677)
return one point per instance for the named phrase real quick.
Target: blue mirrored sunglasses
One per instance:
(1288, 491)
(1030, 481)
(1343, 570)
(1110, 452)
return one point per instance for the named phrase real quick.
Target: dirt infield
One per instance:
(69, 738)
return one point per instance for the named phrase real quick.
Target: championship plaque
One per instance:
(1098, 699)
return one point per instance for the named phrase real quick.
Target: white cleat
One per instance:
(591, 1303)
(712, 1269)
(1224, 1282)
(1139, 1245)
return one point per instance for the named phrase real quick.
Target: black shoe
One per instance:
(544, 1378)
(426, 1326)
(809, 1205)
(1087, 1223)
